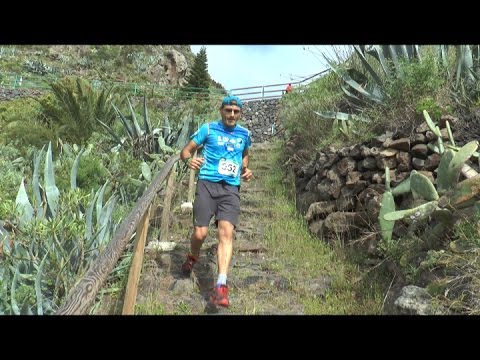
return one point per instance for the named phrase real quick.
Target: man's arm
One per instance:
(188, 150)
(186, 155)
(245, 159)
(246, 172)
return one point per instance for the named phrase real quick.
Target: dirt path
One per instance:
(255, 286)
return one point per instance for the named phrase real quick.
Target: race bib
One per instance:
(227, 167)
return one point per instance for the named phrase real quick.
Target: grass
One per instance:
(149, 307)
(304, 256)
(458, 288)
(182, 308)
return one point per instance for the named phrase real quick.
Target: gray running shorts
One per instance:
(219, 199)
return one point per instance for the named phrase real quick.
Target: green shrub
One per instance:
(12, 165)
(22, 125)
(431, 106)
(418, 80)
(297, 115)
(91, 173)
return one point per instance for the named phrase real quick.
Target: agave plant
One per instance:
(381, 63)
(467, 62)
(148, 140)
(357, 87)
(51, 241)
(465, 90)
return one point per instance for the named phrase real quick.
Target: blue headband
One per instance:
(232, 100)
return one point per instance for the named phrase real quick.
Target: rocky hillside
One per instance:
(155, 64)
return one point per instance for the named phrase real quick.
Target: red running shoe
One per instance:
(220, 296)
(187, 266)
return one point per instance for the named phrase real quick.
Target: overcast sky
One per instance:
(237, 66)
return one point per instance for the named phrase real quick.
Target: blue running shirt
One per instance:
(222, 151)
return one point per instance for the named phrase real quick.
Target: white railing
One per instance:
(265, 92)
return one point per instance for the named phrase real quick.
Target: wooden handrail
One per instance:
(82, 296)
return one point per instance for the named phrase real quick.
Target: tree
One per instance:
(198, 81)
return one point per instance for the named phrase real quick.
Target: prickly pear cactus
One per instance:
(387, 205)
(440, 202)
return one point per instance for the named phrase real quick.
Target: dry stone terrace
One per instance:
(340, 190)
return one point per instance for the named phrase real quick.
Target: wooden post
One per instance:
(191, 183)
(136, 266)
(167, 204)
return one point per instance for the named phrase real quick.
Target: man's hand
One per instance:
(246, 174)
(195, 163)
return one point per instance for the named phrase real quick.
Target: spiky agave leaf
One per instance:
(443, 56)
(341, 116)
(105, 220)
(111, 132)
(99, 203)
(355, 85)
(184, 133)
(136, 131)
(377, 52)
(13, 289)
(51, 189)
(367, 66)
(355, 100)
(124, 122)
(464, 63)
(73, 173)
(89, 217)
(25, 209)
(38, 285)
(146, 119)
(167, 128)
(36, 183)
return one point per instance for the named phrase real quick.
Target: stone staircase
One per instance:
(255, 286)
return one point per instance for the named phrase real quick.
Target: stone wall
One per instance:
(261, 118)
(340, 190)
